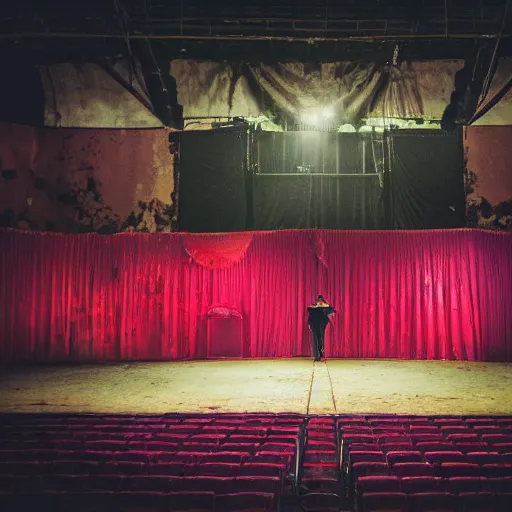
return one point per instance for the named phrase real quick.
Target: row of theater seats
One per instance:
(217, 462)
(109, 501)
(247, 462)
(420, 463)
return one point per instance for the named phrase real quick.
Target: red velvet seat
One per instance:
(449, 421)
(396, 429)
(350, 439)
(216, 484)
(270, 458)
(394, 457)
(288, 448)
(321, 502)
(391, 438)
(431, 501)
(425, 429)
(233, 457)
(480, 421)
(121, 468)
(225, 469)
(453, 469)
(501, 447)
(444, 456)
(419, 484)
(359, 469)
(478, 502)
(496, 438)
(113, 483)
(497, 470)
(497, 484)
(487, 429)
(385, 420)
(20, 484)
(471, 446)
(136, 456)
(277, 438)
(486, 457)
(384, 501)
(396, 447)
(365, 456)
(170, 468)
(106, 445)
(265, 484)
(26, 468)
(197, 501)
(261, 469)
(431, 446)
(463, 437)
(426, 438)
(459, 484)
(403, 469)
(377, 483)
(244, 501)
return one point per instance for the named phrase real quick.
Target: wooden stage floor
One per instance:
(360, 386)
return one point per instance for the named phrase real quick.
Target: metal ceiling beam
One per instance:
(290, 39)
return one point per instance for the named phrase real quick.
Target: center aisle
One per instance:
(322, 398)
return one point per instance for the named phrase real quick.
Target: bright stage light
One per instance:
(328, 113)
(317, 116)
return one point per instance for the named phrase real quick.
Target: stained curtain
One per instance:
(427, 294)
(212, 181)
(285, 91)
(427, 184)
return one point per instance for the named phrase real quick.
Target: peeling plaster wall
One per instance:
(489, 176)
(127, 166)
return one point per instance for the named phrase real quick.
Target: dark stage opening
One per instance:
(240, 179)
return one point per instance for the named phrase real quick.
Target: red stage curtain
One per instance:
(413, 295)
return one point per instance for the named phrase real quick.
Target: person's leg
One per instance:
(321, 338)
(316, 347)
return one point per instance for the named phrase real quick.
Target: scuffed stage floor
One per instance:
(282, 385)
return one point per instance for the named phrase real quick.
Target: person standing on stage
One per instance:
(319, 314)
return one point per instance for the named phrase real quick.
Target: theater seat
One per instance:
(432, 501)
(197, 501)
(444, 456)
(404, 469)
(384, 501)
(321, 502)
(377, 483)
(453, 469)
(366, 456)
(244, 501)
(359, 469)
(265, 484)
(497, 485)
(420, 484)
(404, 456)
(263, 469)
(461, 484)
(478, 502)
(497, 470)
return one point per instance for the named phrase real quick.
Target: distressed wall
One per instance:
(489, 176)
(86, 96)
(76, 180)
